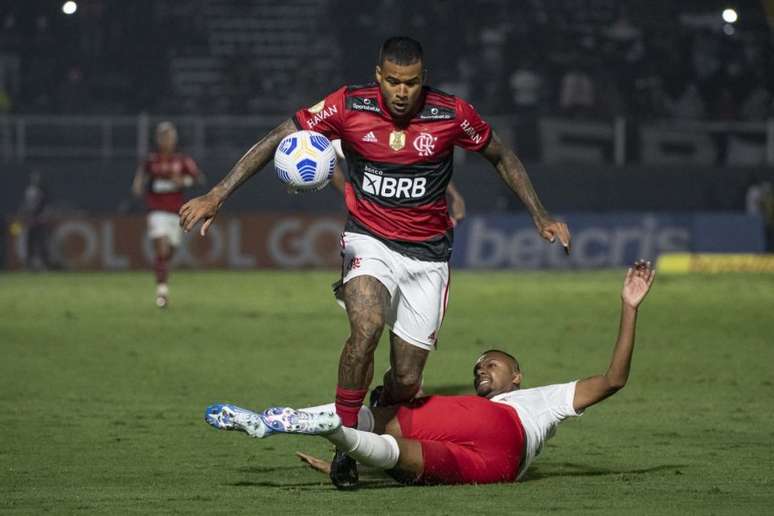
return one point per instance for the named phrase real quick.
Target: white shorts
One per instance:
(164, 224)
(419, 290)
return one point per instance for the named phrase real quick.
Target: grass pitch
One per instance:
(102, 394)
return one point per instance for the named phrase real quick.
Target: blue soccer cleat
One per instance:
(291, 421)
(225, 416)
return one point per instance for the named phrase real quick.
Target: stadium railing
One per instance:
(616, 141)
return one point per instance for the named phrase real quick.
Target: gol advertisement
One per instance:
(239, 242)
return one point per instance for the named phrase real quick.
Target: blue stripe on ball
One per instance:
(288, 145)
(331, 167)
(307, 169)
(319, 142)
(282, 174)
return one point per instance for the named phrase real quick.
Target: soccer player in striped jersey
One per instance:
(398, 136)
(161, 179)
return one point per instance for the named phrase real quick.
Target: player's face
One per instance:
(401, 87)
(494, 374)
(166, 140)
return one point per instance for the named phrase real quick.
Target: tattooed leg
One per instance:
(367, 301)
(403, 380)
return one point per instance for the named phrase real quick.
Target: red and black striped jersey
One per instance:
(397, 172)
(163, 193)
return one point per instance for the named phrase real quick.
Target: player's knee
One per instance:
(366, 334)
(368, 328)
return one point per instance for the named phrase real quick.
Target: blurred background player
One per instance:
(33, 214)
(162, 177)
(491, 437)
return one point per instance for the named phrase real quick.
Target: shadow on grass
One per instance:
(322, 485)
(375, 480)
(265, 469)
(266, 476)
(569, 469)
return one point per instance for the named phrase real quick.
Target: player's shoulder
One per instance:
(439, 96)
(438, 105)
(151, 159)
(366, 88)
(182, 156)
(362, 97)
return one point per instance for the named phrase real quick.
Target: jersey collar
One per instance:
(388, 114)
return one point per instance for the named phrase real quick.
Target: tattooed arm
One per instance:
(205, 208)
(515, 176)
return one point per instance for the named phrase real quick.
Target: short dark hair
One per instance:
(513, 358)
(401, 50)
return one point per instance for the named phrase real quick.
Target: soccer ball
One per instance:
(304, 161)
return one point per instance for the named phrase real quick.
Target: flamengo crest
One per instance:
(425, 144)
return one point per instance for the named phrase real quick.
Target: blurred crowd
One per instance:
(586, 58)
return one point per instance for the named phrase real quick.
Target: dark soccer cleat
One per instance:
(344, 472)
(375, 397)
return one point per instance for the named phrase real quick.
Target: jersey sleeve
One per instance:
(473, 132)
(558, 400)
(326, 117)
(190, 167)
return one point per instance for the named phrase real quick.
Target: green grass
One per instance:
(102, 394)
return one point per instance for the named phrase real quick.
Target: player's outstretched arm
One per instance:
(515, 176)
(205, 207)
(593, 390)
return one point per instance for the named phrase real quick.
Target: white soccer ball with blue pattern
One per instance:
(304, 161)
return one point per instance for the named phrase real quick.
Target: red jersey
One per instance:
(163, 194)
(397, 172)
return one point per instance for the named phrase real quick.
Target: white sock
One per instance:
(365, 418)
(369, 449)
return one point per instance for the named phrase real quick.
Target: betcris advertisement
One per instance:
(600, 240)
(294, 241)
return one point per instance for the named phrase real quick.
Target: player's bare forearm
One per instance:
(338, 179)
(595, 389)
(456, 203)
(205, 208)
(453, 192)
(618, 373)
(253, 160)
(514, 174)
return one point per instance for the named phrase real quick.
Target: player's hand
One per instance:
(323, 466)
(203, 208)
(551, 229)
(457, 209)
(637, 283)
